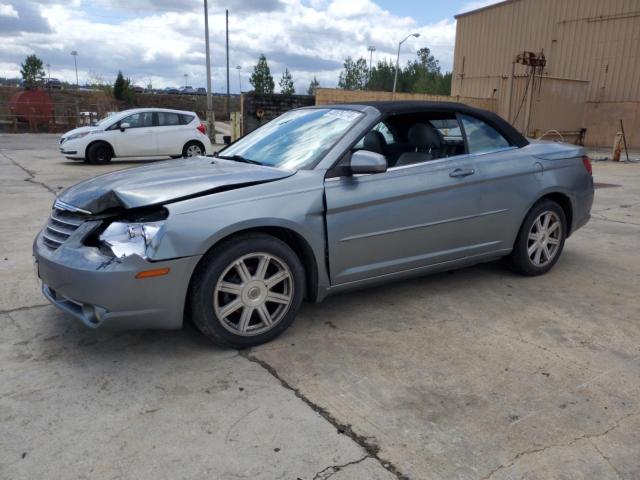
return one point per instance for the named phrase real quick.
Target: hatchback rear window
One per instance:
(185, 119)
(168, 119)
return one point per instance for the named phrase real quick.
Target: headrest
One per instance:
(374, 142)
(424, 136)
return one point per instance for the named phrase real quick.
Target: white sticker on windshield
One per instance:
(343, 114)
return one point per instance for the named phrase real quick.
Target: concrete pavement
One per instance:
(475, 374)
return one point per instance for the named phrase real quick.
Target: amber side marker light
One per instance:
(156, 272)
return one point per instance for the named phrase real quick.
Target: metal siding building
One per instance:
(592, 75)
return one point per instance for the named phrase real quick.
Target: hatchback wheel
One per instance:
(193, 149)
(99, 153)
(540, 240)
(247, 291)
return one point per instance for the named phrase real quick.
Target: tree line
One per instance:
(422, 75)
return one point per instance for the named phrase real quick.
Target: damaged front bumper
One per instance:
(104, 291)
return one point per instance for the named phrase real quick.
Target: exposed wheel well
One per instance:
(298, 244)
(86, 152)
(565, 203)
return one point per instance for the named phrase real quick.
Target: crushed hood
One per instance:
(163, 182)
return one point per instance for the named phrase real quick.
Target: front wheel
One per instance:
(540, 240)
(99, 153)
(247, 291)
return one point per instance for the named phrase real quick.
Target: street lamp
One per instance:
(371, 50)
(395, 78)
(238, 67)
(186, 75)
(48, 65)
(75, 62)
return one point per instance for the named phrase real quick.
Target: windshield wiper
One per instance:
(238, 158)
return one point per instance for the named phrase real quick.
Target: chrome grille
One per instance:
(62, 223)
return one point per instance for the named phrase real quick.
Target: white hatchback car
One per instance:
(141, 132)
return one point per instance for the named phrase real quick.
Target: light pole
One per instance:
(210, 116)
(395, 78)
(75, 62)
(186, 75)
(371, 50)
(48, 65)
(238, 67)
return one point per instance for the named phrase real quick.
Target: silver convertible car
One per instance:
(320, 200)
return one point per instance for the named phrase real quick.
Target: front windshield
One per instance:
(294, 140)
(107, 119)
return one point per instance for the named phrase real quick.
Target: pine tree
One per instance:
(122, 89)
(31, 70)
(354, 76)
(313, 86)
(286, 83)
(261, 78)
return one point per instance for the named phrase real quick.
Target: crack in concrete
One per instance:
(371, 448)
(32, 175)
(606, 459)
(331, 470)
(586, 436)
(9, 311)
(602, 217)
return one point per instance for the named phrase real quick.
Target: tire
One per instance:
(538, 248)
(99, 153)
(230, 309)
(193, 149)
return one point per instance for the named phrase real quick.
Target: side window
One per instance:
(386, 133)
(482, 138)
(449, 129)
(384, 130)
(168, 119)
(185, 119)
(139, 120)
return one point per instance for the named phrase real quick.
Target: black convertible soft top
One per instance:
(496, 121)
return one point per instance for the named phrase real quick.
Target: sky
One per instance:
(158, 42)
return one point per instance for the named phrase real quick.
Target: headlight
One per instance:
(76, 136)
(129, 238)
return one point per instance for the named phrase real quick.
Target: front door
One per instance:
(139, 139)
(406, 218)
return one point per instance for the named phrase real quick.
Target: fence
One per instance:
(325, 96)
(68, 109)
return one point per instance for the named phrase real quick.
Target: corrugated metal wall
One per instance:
(594, 40)
(592, 46)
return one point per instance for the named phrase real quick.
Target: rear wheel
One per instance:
(99, 153)
(193, 149)
(247, 291)
(540, 240)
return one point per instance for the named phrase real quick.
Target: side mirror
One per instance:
(124, 126)
(364, 161)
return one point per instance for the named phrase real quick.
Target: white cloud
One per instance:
(7, 10)
(153, 42)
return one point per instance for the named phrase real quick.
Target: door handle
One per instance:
(462, 172)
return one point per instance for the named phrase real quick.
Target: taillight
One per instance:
(587, 164)
(202, 128)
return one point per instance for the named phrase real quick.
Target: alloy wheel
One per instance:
(253, 294)
(194, 151)
(544, 238)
